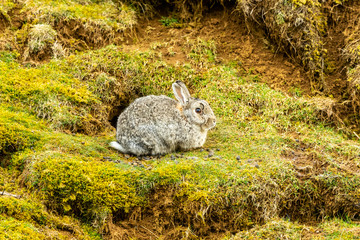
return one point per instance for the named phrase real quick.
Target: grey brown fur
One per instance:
(156, 125)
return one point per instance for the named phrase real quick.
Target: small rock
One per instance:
(82, 143)
(146, 158)
(249, 160)
(172, 157)
(256, 165)
(238, 158)
(107, 159)
(208, 149)
(297, 140)
(192, 158)
(218, 149)
(211, 153)
(201, 150)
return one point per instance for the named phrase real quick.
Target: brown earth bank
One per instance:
(233, 42)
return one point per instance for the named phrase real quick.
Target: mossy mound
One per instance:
(42, 30)
(18, 130)
(271, 156)
(283, 229)
(290, 162)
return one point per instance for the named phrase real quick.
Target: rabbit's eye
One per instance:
(198, 110)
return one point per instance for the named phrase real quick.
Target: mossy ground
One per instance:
(272, 161)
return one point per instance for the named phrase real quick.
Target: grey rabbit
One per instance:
(157, 125)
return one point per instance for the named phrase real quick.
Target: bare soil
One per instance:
(233, 41)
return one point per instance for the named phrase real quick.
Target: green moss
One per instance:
(50, 95)
(83, 186)
(255, 123)
(282, 229)
(5, 7)
(15, 229)
(267, 130)
(28, 219)
(104, 14)
(18, 130)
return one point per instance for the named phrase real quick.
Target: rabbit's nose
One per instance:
(211, 122)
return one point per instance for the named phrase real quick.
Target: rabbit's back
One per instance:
(150, 125)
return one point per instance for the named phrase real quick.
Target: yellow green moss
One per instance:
(14, 229)
(27, 219)
(104, 14)
(17, 130)
(5, 7)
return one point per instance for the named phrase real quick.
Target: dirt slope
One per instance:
(233, 42)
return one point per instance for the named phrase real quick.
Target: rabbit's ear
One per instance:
(181, 92)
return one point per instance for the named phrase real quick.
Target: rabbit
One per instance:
(158, 125)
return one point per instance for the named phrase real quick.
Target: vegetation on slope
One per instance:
(271, 156)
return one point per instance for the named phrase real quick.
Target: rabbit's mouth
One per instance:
(209, 124)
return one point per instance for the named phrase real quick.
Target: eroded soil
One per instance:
(233, 42)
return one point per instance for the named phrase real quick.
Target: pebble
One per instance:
(238, 158)
(256, 165)
(172, 157)
(107, 159)
(201, 150)
(211, 153)
(192, 158)
(218, 149)
(208, 149)
(146, 158)
(82, 143)
(297, 140)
